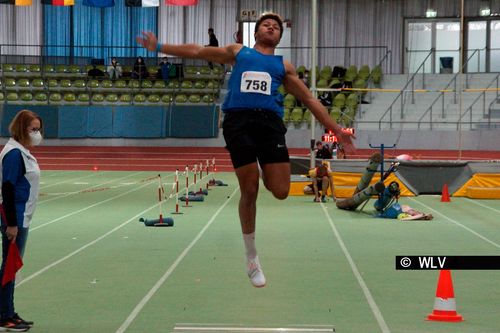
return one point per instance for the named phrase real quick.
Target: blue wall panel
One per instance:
(139, 122)
(193, 121)
(48, 113)
(100, 122)
(73, 121)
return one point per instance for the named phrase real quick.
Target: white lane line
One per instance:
(57, 262)
(88, 207)
(138, 308)
(457, 223)
(482, 205)
(65, 181)
(373, 305)
(67, 194)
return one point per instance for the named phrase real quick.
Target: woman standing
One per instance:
(20, 178)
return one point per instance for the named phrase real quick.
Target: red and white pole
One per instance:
(160, 199)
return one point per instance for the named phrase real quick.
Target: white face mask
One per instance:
(36, 138)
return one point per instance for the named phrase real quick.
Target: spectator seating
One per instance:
(70, 84)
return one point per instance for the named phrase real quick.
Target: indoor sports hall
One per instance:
(137, 220)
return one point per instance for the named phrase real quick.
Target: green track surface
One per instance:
(90, 266)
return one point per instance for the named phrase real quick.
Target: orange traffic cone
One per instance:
(445, 196)
(445, 308)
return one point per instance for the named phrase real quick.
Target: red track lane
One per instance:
(172, 158)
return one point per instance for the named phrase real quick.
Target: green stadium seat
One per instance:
(217, 70)
(112, 98)
(147, 84)
(12, 97)
(322, 83)
(159, 84)
(75, 69)
(325, 73)
(166, 98)
(364, 72)
(70, 97)
(21, 68)
(187, 84)
(93, 84)
(200, 84)
(135, 84)
(48, 68)
(296, 116)
(180, 98)
(207, 98)
(41, 97)
(84, 97)
(55, 97)
(360, 84)
(24, 83)
(52, 83)
(190, 70)
(301, 69)
(289, 101)
(351, 73)
(335, 83)
(121, 84)
(212, 84)
(9, 82)
(125, 98)
(26, 97)
(194, 99)
(2, 97)
(205, 70)
(37, 83)
(173, 84)
(107, 84)
(307, 117)
(281, 90)
(335, 113)
(65, 83)
(97, 98)
(339, 101)
(7, 67)
(34, 68)
(286, 115)
(80, 84)
(377, 75)
(153, 98)
(60, 69)
(140, 98)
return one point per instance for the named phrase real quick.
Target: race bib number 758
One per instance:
(256, 82)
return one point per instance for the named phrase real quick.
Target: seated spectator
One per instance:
(164, 70)
(326, 98)
(95, 72)
(322, 152)
(140, 70)
(114, 69)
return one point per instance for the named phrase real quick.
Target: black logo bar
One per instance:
(447, 262)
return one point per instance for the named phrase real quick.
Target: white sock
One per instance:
(249, 239)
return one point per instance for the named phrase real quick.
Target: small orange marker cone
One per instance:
(445, 196)
(445, 308)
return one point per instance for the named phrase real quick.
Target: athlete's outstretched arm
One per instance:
(297, 88)
(222, 55)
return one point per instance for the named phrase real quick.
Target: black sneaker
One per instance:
(21, 320)
(11, 325)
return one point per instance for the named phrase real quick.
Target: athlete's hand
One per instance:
(148, 40)
(345, 137)
(11, 233)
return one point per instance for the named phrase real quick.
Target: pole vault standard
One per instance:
(314, 62)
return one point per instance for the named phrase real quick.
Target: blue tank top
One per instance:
(254, 82)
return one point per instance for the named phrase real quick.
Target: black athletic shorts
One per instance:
(255, 134)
